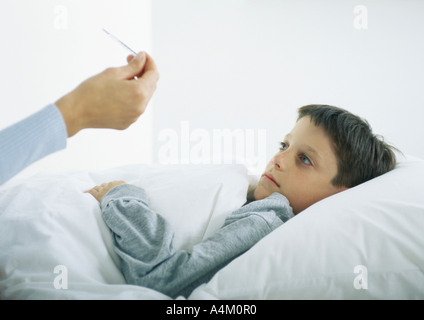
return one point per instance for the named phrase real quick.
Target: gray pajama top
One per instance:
(143, 240)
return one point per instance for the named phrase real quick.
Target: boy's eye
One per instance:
(306, 160)
(283, 146)
(303, 158)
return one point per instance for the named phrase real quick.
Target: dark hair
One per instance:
(361, 155)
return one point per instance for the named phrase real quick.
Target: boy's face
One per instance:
(303, 168)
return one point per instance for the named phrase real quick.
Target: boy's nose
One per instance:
(280, 161)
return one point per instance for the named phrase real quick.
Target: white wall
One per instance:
(230, 69)
(249, 64)
(51, 46)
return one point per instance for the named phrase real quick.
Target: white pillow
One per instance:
(195, 199)
(364, 243)
(51, 231)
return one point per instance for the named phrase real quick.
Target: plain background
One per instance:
(48, 48)
(241, 65)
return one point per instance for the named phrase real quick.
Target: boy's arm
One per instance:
(140, 235)
(143, 240)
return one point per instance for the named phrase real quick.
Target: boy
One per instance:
(328, 150)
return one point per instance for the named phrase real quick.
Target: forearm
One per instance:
(30, 140)
(142, 239)
(144, 242)
(71, 111)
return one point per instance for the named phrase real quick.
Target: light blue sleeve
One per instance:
(31, 139)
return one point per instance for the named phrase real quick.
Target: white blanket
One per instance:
(55, 245)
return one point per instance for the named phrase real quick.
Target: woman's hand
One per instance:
(112, 99)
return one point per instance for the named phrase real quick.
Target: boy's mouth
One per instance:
(269, 177)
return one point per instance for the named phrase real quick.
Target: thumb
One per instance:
(135, 66)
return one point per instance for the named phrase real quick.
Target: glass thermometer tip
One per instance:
(119, 41)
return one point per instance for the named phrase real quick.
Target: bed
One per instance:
(364, 243)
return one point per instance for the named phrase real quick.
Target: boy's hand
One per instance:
(100, 191)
